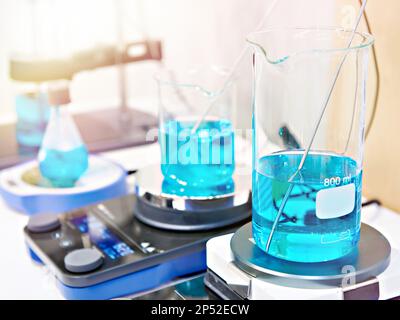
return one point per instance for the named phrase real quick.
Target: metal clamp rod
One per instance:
(40, 70)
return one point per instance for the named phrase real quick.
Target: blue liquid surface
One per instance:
(63, 168)
(300, 235)
(204, 159)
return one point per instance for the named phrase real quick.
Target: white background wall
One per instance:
(193, 31)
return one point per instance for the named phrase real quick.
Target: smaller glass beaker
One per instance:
(196, 155)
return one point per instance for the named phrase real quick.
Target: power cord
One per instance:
(378, 78)
(371, 202)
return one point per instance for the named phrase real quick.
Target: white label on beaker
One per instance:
(335, 202)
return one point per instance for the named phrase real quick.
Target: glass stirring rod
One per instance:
(291, 186)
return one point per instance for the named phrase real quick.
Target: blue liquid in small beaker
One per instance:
(176, 189)
(300, 234)
(63, 168)
(202, 159)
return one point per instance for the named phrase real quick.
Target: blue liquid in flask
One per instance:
(203, 159)
(301, 235)
(63, 168)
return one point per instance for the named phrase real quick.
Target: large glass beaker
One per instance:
(308, 141)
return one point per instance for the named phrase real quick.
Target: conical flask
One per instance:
(63, 157)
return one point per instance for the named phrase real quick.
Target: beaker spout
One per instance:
(264, 50)
(278, 44)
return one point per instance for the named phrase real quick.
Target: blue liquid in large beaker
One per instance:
(63, 168)
(300, 234)
(202, 159)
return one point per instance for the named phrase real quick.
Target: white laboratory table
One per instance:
(20, 278)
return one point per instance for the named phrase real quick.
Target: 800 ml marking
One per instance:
(336, 181)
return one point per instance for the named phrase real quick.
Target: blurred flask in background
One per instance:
(32, 110)
(63, 157)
